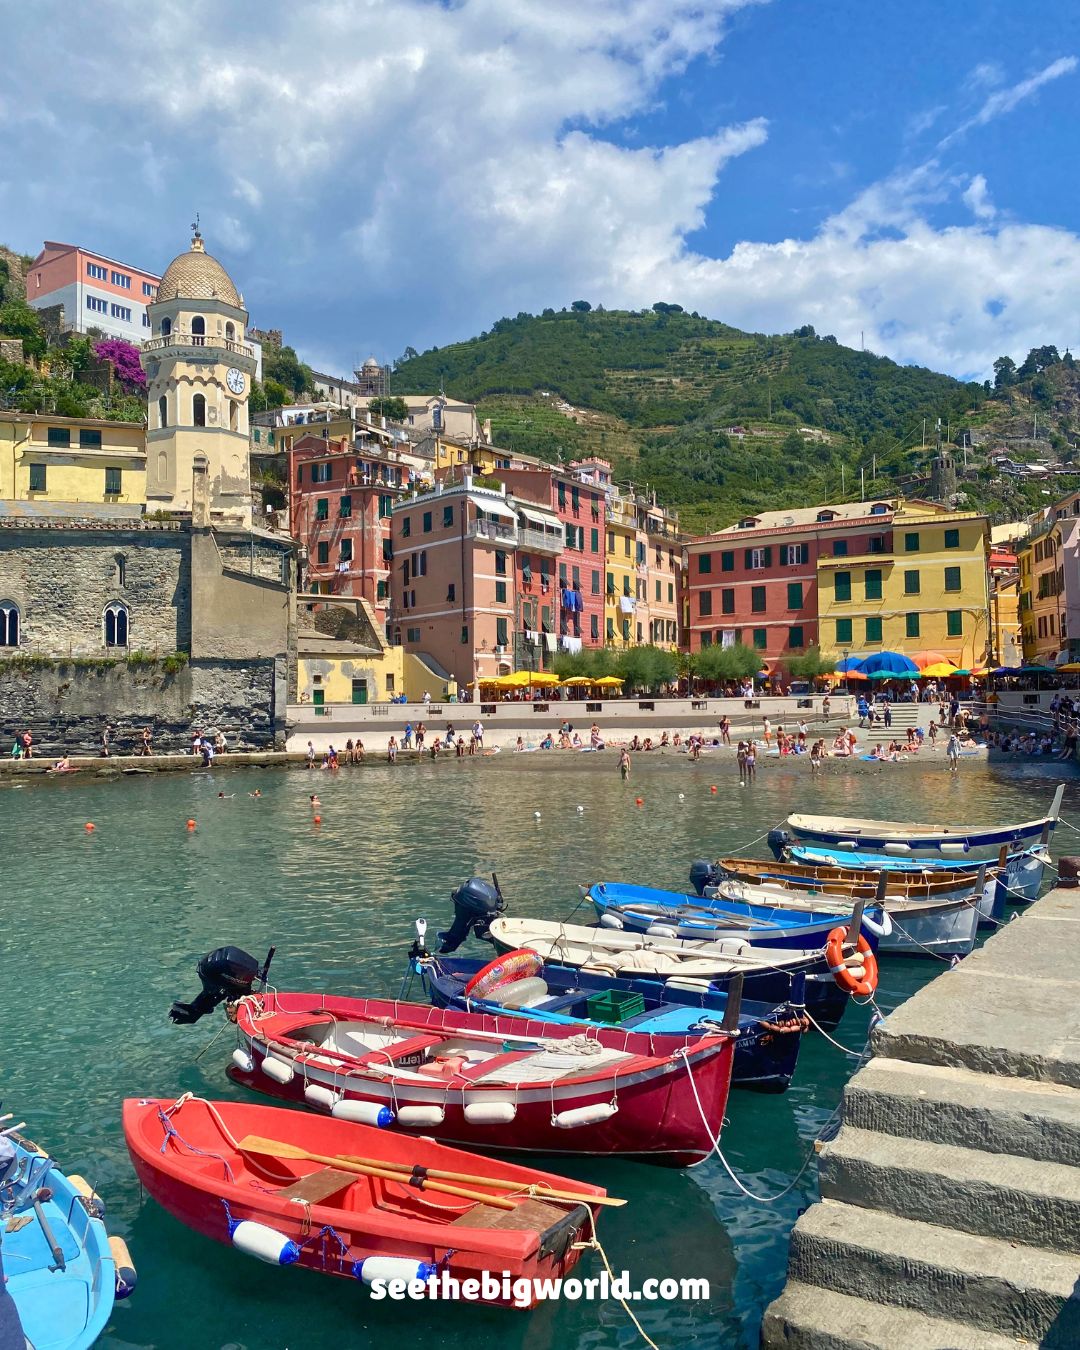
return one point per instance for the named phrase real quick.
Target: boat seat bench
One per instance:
(318, 1186)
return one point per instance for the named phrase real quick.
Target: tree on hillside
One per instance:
(806, 331)
(393, 409)
(793, 445)
(1038, 360)
(283, 365)
(581, 306)
(20, 320)
(1004, 372)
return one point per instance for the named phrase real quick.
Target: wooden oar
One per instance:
(275, 1149)
(538, 1186)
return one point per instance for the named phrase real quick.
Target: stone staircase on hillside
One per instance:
(950, 1210)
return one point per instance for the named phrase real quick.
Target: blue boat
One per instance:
(647, 909)
(62, 1271)
(766, 1051)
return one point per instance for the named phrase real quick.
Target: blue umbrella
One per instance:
(849, 663)
(889, 661)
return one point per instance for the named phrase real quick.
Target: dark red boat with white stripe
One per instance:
(488, 1082)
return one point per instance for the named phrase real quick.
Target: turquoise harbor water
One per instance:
(102, 931)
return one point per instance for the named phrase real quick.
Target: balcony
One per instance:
(178, 340)
(541, 541)
(490, 529)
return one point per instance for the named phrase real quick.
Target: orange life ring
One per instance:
(516, 965)
(841, 971)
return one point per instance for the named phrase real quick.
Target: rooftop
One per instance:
(196, 275)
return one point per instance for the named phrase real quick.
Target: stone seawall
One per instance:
(950, 1209)
(66, 705)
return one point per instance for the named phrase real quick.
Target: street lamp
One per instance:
(847, 681)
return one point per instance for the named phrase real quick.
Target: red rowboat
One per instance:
(288, 1210)
(488, 1082)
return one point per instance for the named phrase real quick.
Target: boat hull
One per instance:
(657, 1116)
(1020, 883)
(947, 929)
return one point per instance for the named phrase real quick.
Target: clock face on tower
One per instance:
(236, 380)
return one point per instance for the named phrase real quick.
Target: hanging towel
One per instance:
(551, 642)
(627, 603)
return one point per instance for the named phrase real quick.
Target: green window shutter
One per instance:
(911, 583)
(759, 639)
(795, 638)
(794, 595)
(727, 561)
(911, 625)
(954, 621)
(727, 601)
(704, 563)
(873, 630)
(768, 555)
(952, 538)
(952, 578)
(842, 586)
(872, 581)
(843, 631)
(911, 543)
(757, 599)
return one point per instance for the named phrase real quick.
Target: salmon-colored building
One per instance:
(341, 497)
(95, 291)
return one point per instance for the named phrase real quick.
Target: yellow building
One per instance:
(342, 656)
(71, 459)
(620, 566)
(929, 593)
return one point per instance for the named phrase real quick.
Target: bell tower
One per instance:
(199, 371)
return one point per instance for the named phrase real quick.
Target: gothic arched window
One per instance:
(9, 623)
(198, 411)
(163, 411)
(116, 624)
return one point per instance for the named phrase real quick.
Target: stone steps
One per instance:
(946, 1105)
(806, 1317)
(989, 1194)
(998, 1286)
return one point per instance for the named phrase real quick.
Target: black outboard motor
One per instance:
(702, 874)
(227, 973)
(476, 903)
(778, 841)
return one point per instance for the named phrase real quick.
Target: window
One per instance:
(426, 523)
(640, 554)
(595, 583)
(843, 631)
(406, 573)
(451, 592)
(89, 439)
(412, 634)
(911, 542)
(121, 312)
(447, 516)
(794, 595)
(96, 271)
(704, 564)
(873, 630)
(872, 583)
(9, 623)
(839, 548)
(345, 506)
(758, 558)
(322, 508)
(113, 479)
(659, 592)
(198, 329)
(420, 565)
(166, 327)
(575, 498)
(96, 305)
(149, 289)
(561, 491)
(842, 586)
(609, 628)
(198, 411)
(876, 544)
(760, 637)
(346, 551)
(795, 638)
(757, 599)
(727, 561)
(500, 564)
(626, 585)
(879, 509)
(727, 601)
(626, 630)
(705, 604)
(163, 415)
(145, 319)
(954, 622)
(464, 635)
(116, 624)
(611, 541)
(911, 583)
(611, 583)
(671, 592)
(575, 578)
(386, 505)
(594, 627)
(59, 437)
(952, 578)
(323, 552)
(794, 554)
(500, 592)
(406, 527)
(911, 625)
(501, 635)
(122, 280)
(706, 639)
(626, 544)
(952, 538)
(37, 478)
(594, 541)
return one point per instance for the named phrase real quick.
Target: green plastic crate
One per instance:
(614, 1005)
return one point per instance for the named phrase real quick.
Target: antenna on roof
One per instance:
(195, 227)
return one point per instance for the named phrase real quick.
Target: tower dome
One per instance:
(195, 275)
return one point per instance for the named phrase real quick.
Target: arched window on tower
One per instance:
(120, 571)
(163, 411)
(166, 327)
(9, 623)
(234, 415)
(198, 330)
(116, 624)
(230, 331)
(198, 411)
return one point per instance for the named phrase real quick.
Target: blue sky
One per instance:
(383, 173)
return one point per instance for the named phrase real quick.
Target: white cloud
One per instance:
(1005, 100)
(977, 199)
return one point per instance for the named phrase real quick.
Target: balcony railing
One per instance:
(540, 541)
(198, 340)
(489, 529)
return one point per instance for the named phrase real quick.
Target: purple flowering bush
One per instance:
(124, 359)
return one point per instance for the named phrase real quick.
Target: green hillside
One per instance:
(659, 392)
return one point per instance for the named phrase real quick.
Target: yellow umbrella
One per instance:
(519, 680)
(939, 670)
(577, 679)
(1071, 666)
(609, 682)
(544, 677)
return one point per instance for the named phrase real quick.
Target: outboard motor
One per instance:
(227, 973)
(476, 903)
(702, 874)
(779, 841)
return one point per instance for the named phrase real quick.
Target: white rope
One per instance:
(854, 1054)
(759, 1199)
(594, 1243)
(928, 950)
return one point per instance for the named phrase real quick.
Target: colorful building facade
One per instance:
(1048, 562)
(95, 291)
(72, 459)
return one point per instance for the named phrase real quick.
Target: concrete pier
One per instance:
(950, 1209)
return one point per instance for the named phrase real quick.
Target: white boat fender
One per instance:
(583, 1115)
(263, 1242)
(664, 930)
(490, 1113)
(897, 848)
(243, 1061)
(277, 1069)
(373, 1268)
(92, 1202)
(953, 848)
(126, 1275)
(420, 1115)
(849, 845)
(879, 930)
(363, 1113)
(317, 1095)
(610, 921)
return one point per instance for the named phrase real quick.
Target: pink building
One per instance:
(95, 291)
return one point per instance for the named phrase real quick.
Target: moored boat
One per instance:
(912, 839)
(489, 1082)
(766, 1051)
(61, 1272)
(350, 1200)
